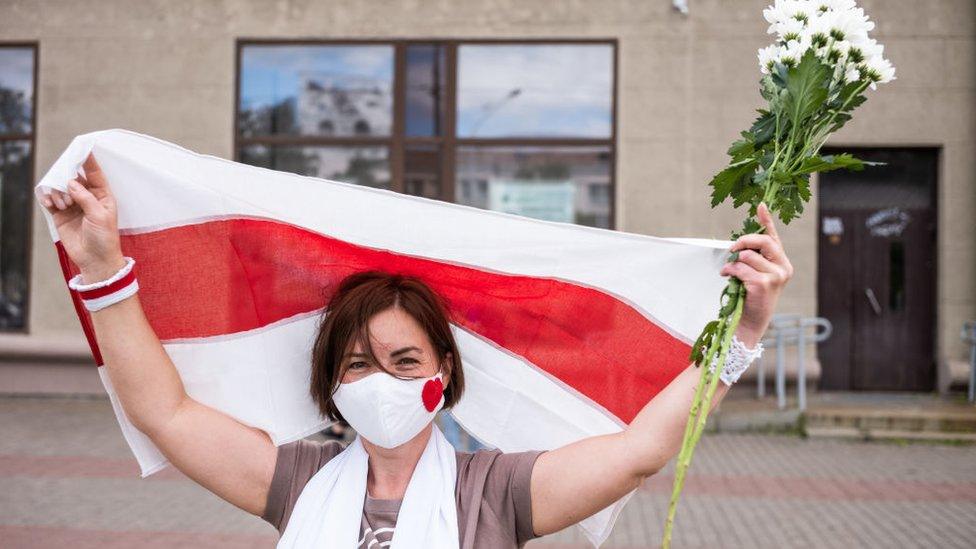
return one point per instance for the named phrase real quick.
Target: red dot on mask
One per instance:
(431, 394)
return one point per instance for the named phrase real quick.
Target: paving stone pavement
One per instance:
(67, 480)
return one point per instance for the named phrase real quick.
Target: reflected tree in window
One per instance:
(15, 111)
(16, 177)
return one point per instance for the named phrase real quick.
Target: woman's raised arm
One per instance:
(573, 482)
(234, 461)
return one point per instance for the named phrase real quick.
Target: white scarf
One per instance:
(329, 510)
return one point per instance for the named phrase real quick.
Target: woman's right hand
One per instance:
(196, 438)
(87, 223)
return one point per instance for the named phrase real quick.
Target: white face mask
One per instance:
(388, 411)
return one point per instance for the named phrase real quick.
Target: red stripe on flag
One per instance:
(68, 269)
(228, 276)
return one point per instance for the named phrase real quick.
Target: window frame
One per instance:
(448, 142)
(33, 45)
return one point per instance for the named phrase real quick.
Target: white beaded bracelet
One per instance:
(737, 360)
(98, 295)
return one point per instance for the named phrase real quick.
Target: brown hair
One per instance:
(358, 297)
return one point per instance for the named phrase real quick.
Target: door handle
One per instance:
(873, 301)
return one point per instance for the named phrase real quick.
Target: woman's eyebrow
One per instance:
(394, 353)
(403, 350)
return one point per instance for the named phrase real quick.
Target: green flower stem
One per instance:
(702, 402)
(724, 349)
(682, 463)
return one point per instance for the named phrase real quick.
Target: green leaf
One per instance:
(839, 120)
(791, 196)
(802, 184)
(828, 163)
(749, 226)
(732, 179)
(806, 85)
(769, 88)
(746, 191)
(743, 148)
(847, 98)
(847, 95)
(787, 211)
(764, 128)
(703, 342)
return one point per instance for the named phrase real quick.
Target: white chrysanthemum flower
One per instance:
(773, 14)
(835, 5)
(879, 70)
(791, 53)
(870, 48)
(849, 25)
(852, 75)
(835, 52)
(782, 10)
(789, 29)
(768, 57)
(818, 29)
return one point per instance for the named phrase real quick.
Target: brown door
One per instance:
(876, 279)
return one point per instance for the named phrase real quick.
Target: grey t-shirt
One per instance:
(492, 494)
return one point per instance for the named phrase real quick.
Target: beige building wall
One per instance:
(687, 85)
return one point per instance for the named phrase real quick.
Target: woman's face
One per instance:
(399, 343)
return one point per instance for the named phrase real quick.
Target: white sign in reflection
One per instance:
(548, 200)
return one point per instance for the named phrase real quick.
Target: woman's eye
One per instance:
(357, 365)
(407, 360)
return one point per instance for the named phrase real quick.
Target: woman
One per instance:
(385, 361)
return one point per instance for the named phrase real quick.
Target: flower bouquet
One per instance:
(813, 77)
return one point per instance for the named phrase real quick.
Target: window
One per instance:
(17, 114)
(522, 127)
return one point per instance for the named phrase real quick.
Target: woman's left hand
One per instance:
(764, 269)
(573, 482)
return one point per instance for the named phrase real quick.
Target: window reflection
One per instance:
(551, 90)
(367, 166)
(422, 171)
(329, 90)
(478, 117)
(568, 184)
(16, 90)
(15, 202)
(425, 84)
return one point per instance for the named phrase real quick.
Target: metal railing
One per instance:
(969, 334)
(791, 329)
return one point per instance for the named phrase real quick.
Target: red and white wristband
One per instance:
(98, 295)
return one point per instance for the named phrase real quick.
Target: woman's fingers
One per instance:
(58, 198)
(740, 270)
(761, 264)
(764, 252)
(753, 279)
(94, 177)
(768, 246)
(85, 199)
(766, 220)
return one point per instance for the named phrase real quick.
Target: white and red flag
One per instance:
(565, 331)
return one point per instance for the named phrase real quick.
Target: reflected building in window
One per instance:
(330, 106)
